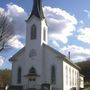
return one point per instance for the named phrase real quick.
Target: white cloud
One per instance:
(88, 13)
(79, 59)
(55, 43)
(1, 9)
(61, 26)
(84, 35)
(19, 16)
(61, 23)
(81, 22)
(14, 9)
(77, 53)
(15, 42)
(1, 60)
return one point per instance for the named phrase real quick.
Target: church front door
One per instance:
(32, 84)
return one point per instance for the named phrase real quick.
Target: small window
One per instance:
(33, 32)
(44, 35)
(53, 75)
(19, 75)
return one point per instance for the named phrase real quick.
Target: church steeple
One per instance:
(37, 9)
(37, 30)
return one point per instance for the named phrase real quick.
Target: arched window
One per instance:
(53, 75)
(33, 32)
(19, 75)
(44, 35)
(33, 73)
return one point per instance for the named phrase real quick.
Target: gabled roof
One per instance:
(37, 10)
(18, 53)
(82, 75)
(60, 55)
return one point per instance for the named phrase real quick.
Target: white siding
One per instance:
(81, 81)
(51, 59)
(26, 62)
(15, 65)
(70, 79)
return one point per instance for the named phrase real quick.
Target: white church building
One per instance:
(37, 66)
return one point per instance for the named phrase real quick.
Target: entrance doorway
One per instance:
(32, 79)
(32, 83)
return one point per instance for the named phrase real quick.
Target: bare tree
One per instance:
(5, 77)
(6, 29)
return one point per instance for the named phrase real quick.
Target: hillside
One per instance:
(85, 69)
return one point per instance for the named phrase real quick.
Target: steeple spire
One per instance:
(37, 9)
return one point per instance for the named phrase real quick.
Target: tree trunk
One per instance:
(2, 47)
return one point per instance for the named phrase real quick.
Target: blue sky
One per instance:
(68, 24)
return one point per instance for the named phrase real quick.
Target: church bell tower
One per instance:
(36, 35)
(37, 31)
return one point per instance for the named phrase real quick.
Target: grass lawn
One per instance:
(87, 88)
